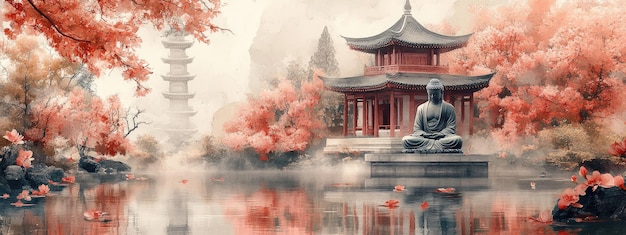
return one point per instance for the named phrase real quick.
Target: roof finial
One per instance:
(407, 7)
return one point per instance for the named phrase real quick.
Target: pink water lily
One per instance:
(603, 180)
(25, 194)
(391, 203)
(42, 190)
(24, 158)
(569, 197)
(583, 172)
(544, 217)
(14, 137)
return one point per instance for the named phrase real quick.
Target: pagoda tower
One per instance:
(383, 101)
(178, 127)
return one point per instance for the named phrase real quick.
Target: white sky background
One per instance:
(267, 34)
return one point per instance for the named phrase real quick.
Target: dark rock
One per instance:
(14, 172)
(8, 155)
(4, 186)
(602, 204)
(54, 173)
(36, 175)
(111, 166)
(89, 164)
(602, 165)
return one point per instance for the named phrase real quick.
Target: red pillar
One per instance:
(355, 114)
(392, 115)
(365, 116)
(412, 111)
(376, 117)
(345, 114)
(471, 116)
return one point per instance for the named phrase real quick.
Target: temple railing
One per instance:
(376, 70)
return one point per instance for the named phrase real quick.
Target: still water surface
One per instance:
(294, 202)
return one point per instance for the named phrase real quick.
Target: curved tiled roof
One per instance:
(406, 81)
(407, 32)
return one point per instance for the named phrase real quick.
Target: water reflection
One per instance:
(292, 203)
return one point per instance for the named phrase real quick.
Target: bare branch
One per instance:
(133, 123)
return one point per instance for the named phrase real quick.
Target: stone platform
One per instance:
(427, 165)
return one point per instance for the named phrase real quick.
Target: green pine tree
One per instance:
(324, 57)
(330, 108)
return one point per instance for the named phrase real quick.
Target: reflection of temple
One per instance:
(383, 101)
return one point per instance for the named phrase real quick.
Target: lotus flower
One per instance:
(574, 179)
(19, 203)
(583, 172)
(68, 179)
(424, 205)
(42, 190)
(184, 181)
(603, 180)
(569, 197)
(24, 158)
(544, 217)
(445, 190)
(392, 203)
(14, 137)
(95, 215)
(532, 185)
(398, 188)
(25, 194)
(5, 196)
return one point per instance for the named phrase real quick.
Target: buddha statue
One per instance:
(434, 130)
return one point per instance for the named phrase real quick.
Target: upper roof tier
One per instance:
(407, 32)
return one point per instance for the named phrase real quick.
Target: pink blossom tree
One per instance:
(555, 63)
(84, 121)
(279, 120)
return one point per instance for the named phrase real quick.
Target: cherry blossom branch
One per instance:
(53, 24)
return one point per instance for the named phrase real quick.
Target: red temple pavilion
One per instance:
(383, 101)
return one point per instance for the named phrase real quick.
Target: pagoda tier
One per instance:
(407, 33)
(179, 112)
(407, 46)
(406, 82)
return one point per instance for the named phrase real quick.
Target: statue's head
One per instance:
(435, 90)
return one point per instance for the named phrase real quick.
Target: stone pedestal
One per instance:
(427, 165)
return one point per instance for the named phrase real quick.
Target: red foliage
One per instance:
(554, 62)
(103, 34)
(79, 120)
(279, 120)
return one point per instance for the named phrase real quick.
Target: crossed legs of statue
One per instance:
(419, 143)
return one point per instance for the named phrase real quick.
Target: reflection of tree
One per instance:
(272, 212)
(63, 215)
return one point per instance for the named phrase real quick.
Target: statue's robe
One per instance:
(445, 124)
